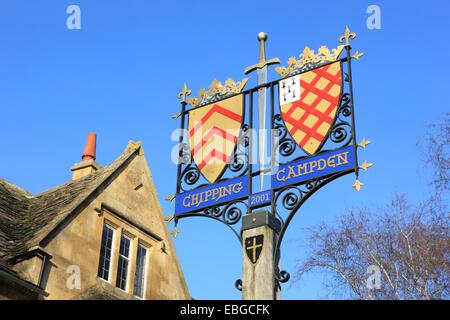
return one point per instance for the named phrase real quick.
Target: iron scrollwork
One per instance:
(238, 284)
(341, 133)
(240, 156)
(284, 144)
(283, 276)
(229, 214)
(189, 177)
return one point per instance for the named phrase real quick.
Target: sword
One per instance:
(261, 72)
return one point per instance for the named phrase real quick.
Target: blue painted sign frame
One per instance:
(212, 195)
(260, 199)
(313, 167)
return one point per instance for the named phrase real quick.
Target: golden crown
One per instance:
(217, 91)
(309, 58)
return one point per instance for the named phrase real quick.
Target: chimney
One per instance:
(88, 164)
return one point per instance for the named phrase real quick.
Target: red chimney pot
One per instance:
(90, 147)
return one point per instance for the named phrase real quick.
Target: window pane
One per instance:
(125, 247)
(122, 269)
(122, 273)
(105, 252)
(140, 271)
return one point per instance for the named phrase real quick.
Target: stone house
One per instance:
(100, 236)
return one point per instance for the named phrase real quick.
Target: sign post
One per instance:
(259, 231)
(313, 142)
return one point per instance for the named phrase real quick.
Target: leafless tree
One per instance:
(409, 244)
(436, 149)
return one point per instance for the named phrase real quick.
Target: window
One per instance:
(124, 261)
(139, 277)
(105, 252)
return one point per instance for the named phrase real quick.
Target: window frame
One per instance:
(145, 271)
(138, 235)
(111, 258)
(128, 259)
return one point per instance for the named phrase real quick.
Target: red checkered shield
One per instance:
(309, 103)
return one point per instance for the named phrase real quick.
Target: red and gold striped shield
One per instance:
(213, 133)
(309, 103)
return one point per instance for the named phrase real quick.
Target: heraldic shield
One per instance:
(213, 131)
(309, 103)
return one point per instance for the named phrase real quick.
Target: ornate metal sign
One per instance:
(311, 115)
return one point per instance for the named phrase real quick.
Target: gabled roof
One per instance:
(13, 276)
(26, 219)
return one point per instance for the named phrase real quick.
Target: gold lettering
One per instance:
(343, 158)
(207, 195)
(215, 192)
(301, 167)
(195, 200)
(312, 166)
(282, 171)
(186, 204)
(219, 192)
(237, 187)
(228, 191)
(322, 164)
(202, 197)
(331, 162)
(291, 173)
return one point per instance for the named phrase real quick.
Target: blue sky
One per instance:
(120, 74)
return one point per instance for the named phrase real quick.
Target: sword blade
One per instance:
(262, 79)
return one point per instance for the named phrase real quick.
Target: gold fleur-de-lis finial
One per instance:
(347, 36)
(357, 185)
(175, 232)
(366, 165)
(183, 93)
(170, 197)
(364, 143)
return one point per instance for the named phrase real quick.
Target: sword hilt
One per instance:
(262, 37)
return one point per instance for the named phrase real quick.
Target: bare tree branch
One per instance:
(408, 243)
